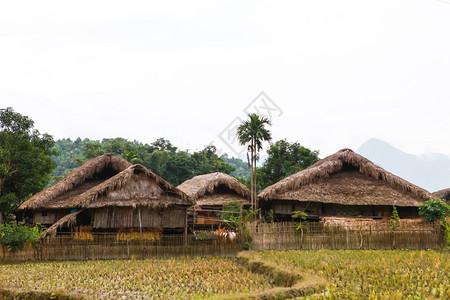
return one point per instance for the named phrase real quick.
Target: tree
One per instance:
(207, 161)
(92, 149)
(163, 145)
(160, 157)
(241, 167)
(25, 163)
(179, 168)
(253, 133)
(284, 159)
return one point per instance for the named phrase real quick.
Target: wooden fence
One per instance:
(273, 236)
(317, 235)
(106, 246)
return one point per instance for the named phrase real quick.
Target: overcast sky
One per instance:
(336, 72)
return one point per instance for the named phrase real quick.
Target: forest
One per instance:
(177, 166)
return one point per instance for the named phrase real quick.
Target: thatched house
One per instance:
(443, 194)
(133, 199)
(56, 201)
(343, 184)
(211, 192)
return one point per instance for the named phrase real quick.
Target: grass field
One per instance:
(350, 274)
(372, 274)
(177, 278)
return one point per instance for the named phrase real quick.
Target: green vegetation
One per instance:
(242, 169)
(301, 216)
(175, 278)
(13, 236)
(290, 283)
(25, 165)
(394, 219)
(434, 210)
(354, 274)
(161, 157)
(284, 159)
(324, 274)
(253, 133)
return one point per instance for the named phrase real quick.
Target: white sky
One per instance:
(340, 71)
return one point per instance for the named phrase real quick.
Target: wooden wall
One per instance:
(48, 217)
(128, 217)
(286, 207)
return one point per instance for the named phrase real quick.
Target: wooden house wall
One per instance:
(286, 207)
(408, 212)
(338, 210)
(128, 217)
(48, 216)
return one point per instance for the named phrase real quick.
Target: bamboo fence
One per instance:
(265, 236)
(317, 235)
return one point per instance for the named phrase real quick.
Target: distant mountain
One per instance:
(430, 171)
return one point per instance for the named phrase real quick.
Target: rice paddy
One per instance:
(351, 274)
(175, 278)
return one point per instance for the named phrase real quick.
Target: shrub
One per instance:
(14, 236)
(434, 210)
(394, 219)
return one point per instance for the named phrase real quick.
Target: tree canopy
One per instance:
(252, 132)
(161, 157)
(25, 165)
(284, 159)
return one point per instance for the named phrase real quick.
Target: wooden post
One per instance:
(140, 222)
(185, 227)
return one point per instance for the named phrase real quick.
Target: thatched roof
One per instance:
(442, 194)
(215, 189)
(83, 178)
(346, 178)
(64, 221)
(135, 186)
(133, 191)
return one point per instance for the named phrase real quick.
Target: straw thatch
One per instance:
(134, 186)
(80, 180)
(67, 220)
(112, 203)
(443, 194)
(346, 178)
(215, 189)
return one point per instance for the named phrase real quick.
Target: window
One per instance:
(44, 213)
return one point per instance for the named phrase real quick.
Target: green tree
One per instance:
(163, 145)
(179, 168)
(160, 157)
(242, 170)
(69, 156)
(25, 163)
(92, 149)
(253, 133)
(284, 159)
(207, 161)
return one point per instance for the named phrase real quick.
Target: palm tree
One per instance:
(253, 133)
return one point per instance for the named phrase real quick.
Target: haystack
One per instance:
(344, 184)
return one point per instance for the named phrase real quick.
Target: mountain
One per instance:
(430, 171)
